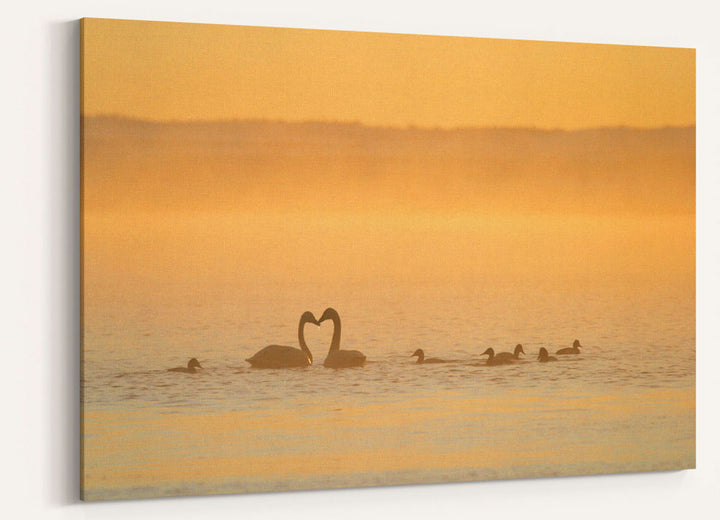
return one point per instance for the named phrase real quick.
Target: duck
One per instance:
(507, 357)
(543, 356)
(189, 369)
(422, 360)
(575, 349)
(280, 356)
(493, 359)
(337, 358)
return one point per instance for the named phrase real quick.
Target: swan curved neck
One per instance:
(335, 344)
(301, 339)
(421, 356)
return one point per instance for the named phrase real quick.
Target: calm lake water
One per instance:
(210, 239)
(626, 403)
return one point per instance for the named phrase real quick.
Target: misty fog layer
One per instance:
(204, 208)
(308, 167)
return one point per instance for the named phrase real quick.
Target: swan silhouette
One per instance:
(189, 369)
(494, 360)
(507, 357)
(421, 358)
(543, 356)
(337, 358)
(575, 349)
(279, 356)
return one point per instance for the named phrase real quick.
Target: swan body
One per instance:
(422, 359)
(189, 369)
(280, 356)
(507, 357)
(337, 358)
(575, 349)
(493, 359)
(543, 356)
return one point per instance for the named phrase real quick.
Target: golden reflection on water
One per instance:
(489, 438)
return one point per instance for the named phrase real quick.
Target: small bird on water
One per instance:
(575, 349)
(544, 357)
(422, 359)
(189, 369)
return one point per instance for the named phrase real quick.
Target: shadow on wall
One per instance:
(62, 362)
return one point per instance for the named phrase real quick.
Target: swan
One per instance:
(279, 356)
(189, 369)
(507, 357)
(575, 349)
(543, 356)
(493, 360)
(337, 358)
(421, 358)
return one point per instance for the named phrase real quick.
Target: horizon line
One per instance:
(339, 122)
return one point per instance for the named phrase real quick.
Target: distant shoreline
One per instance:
(357, 124)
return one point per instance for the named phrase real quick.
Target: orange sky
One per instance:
(177, 71)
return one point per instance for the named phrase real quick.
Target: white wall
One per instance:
(40, 239)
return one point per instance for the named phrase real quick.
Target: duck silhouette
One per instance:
(575, 349)
(543, 356)
(493, 360)
(189, 369)
(509, 357)
(422, 359)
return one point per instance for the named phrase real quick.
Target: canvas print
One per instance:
(320, 259)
